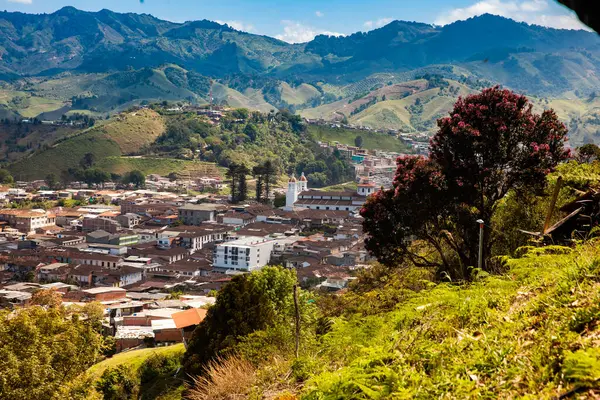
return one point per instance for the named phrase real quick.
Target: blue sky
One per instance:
(298, 21)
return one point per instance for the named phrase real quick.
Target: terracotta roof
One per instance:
(190, 317)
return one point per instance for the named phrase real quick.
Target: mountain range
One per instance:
(104, 61)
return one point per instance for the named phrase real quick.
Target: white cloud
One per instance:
(531, 11)
(319, 14)
(21, 1)
(238, 25)
(377, 23)
(295, 32)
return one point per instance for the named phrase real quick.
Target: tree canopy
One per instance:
(43, 348)
(490, 144)
(249, 303)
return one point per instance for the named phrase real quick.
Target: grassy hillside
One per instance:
(529, 333)
(124, 134)
(159, 165)
(28, 105)
(162, 388)
(371, 140)
(298, 95)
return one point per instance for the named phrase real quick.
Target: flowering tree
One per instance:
(490, 144)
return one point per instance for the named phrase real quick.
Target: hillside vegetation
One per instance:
(403, 75)
(124, 134)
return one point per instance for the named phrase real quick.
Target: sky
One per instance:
(299, 21)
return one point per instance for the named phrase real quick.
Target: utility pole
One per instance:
(297, 318)
(480, 259)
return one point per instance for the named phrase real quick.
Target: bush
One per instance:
(118, 383)
(158, 365)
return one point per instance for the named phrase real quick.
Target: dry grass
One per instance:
(225, 379)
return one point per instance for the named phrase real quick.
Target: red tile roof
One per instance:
(190, 317)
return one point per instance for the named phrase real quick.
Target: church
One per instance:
(299, 196)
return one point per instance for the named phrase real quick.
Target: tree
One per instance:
(270, 177)
(249, 303)
(258, 174)
(44, 349)
(490, 144)
(588, 152)
(251, 131)
(242, 191)
(51, 181)
(5, 177)
(135, 177)
(233, 175)
(317, 179)
(88, 160)
(358, 141)
(173, 176)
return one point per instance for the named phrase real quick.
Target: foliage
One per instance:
(249, 303)
(358, 141)
(508, 336)
(225, 378)
(588, 152)
(491, 143)
(43, 349)
(135, 177)
(159, 365)
(118, 383)
(6, 177)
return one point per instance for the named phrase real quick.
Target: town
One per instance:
(156, 257)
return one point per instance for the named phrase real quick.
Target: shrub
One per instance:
(230, 378)
(159, 365)
(118, 383)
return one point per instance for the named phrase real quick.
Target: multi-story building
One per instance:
(245, 254)
(92, 223)
(195, 214)
(27, 221)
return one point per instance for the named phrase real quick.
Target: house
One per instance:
(129, 220)
(238, 218)
(186, 321)
(54, 272)
(196, 237)
(104, 293)
(93, 223)
(168, 254)
(195, 214)
(187, 268)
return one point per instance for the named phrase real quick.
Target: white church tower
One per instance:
(302, 184)
(292, 193)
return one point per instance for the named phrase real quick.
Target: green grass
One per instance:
(133, 358)
(527, 333)
(64, 155)
(159, 165)
(341, 187)
(162, 388)
(298, 95)
(371, 140)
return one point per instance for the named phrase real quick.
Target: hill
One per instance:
(122, 135)
(528, 332)
(402, 76)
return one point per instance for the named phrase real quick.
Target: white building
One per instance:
(245, 254)
(299, 196)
